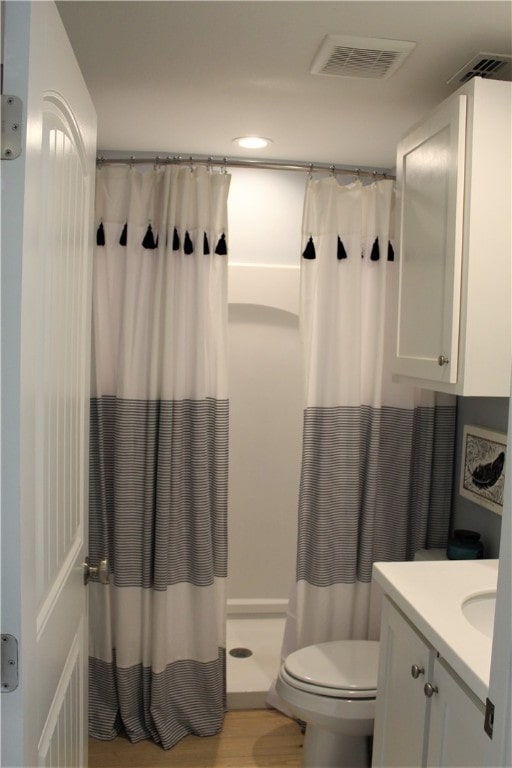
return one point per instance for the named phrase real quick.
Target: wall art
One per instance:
(482, 477)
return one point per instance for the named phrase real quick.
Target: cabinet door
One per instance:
(457, 735)
(401, 708)
(430, 186)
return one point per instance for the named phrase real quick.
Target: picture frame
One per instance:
(482, 475)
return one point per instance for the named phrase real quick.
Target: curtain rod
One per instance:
(238, 162)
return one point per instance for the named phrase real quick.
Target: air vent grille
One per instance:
(493, 66)
(343, 56)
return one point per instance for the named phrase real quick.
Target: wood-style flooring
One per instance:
(249, 739)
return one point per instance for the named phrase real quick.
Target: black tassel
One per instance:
(100, 235)
(149, 240)
(309, 251)
(221, 249)
(175, 240)
(206, 245)
(375, 254)
(187, 246)
(342, 254)
(391, 253)
(124, 235)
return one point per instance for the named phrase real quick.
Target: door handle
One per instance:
(99, 571)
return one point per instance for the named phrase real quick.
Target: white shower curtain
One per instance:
(377, 456)
(159, 453)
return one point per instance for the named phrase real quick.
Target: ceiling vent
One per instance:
(493, 66)
(367, 57)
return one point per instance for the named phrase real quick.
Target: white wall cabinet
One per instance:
(425, 715)
(454, 202)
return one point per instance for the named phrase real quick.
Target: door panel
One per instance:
(457, 736)
(430, 187)
(52, 183)
(401, 715)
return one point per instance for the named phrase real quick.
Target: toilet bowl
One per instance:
(332, 688)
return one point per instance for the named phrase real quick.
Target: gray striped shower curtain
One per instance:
(377, 455)
(159, 454)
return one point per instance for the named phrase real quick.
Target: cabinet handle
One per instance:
(416, 671)
(429, 690)
(442, 360)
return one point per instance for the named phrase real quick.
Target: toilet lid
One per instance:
(348, 666)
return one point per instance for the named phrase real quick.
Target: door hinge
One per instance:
(489, 718)
(9, 671)
(11, 127)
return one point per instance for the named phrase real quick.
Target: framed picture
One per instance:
(482, 476)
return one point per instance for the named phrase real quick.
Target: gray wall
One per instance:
(492, 413)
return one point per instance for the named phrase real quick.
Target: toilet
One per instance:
(332, 687)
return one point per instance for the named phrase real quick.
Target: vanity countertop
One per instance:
(431, 594)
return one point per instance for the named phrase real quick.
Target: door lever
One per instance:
(99, 571)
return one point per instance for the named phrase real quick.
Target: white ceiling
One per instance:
(187, 77)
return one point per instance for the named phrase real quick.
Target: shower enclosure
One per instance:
(266, 396)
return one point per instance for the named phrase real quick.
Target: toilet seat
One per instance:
(344, 669)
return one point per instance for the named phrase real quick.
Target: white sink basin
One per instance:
(479, 611)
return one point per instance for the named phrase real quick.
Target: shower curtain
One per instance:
(159, 454)
(377, 456)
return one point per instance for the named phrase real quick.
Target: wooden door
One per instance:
(47, 209)
(430, 191)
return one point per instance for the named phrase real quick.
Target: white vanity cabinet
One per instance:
(456, 735)
(454, 202)
(425, 714)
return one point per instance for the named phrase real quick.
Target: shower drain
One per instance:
(240, 653)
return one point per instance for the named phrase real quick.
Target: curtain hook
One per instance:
(132, 160)
(223, 168)
(333, 171)
(310, 174)
(209, 164)
(191, 164)
(156, 163)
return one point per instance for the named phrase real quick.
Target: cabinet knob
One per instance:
(429, 690)
(416, 671)
(442, 360)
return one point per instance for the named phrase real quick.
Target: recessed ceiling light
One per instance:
(252, 142)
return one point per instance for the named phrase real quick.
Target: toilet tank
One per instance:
(430, 554)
